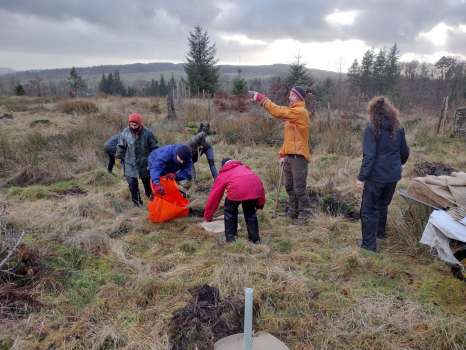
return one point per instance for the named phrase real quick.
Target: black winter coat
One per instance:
(383, 155)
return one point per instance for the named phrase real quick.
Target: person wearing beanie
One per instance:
(133, 148)
(199, 146)
(172, 161)
(243, 188)
(295, 151)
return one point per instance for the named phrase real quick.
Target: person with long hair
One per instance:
(384, 152)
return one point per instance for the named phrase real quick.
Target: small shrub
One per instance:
(30, 193)
(78, 107)
(188, 247)
(101, 177)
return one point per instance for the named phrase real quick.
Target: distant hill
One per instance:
(148, 71)
(6, 70)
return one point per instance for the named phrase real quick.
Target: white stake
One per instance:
(248, 318)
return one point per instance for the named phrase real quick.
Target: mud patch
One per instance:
(6, 116)
(203, 187)
(335, 204)
(38, 122)
(205, 320)
(72, 191)
(196, 212)
(17, 281)
(432, 168)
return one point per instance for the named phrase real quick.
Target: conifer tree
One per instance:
(201, 63)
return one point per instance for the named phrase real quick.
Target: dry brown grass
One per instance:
(78, 107)
(115, 279)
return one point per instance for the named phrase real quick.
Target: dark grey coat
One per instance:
(134, 149)
(198, 144)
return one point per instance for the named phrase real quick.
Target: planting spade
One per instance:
(246, 340)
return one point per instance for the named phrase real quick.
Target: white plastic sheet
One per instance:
(440, 229)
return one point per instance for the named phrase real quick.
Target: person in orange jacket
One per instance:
(295, 151)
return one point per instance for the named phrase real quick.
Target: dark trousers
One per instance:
(111, 161)
(376, 198)
(210, 159)
(295, 172)
(231, 219)
(134, 188)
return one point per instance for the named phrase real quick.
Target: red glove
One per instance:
(260, 206)
(171, 176)
(257, 96)
(157, 189)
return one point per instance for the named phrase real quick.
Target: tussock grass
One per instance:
(78, 107)
(115, 279)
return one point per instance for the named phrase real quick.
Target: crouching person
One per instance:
(199, 146)
(110, 147)
(172, 161)
(243, 188)
(134, 146)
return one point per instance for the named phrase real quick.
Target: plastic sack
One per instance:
(170, 206)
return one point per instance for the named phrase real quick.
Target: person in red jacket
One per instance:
(243, 187)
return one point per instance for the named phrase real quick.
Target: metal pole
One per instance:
(279, 187)
(248, 318)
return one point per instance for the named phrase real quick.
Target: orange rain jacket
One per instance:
(297, 124)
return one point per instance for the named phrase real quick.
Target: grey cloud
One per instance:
(156, 28)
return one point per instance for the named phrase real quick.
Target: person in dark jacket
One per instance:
(384, 152)
(199, 146)
(243, 188)
(134, 146)
(110, 147)
(172, 161)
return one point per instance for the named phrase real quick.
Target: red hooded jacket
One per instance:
(241, 184)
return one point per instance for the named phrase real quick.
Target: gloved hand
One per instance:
(260, 206)
(256, 96)
(157, 189)
(281, 160)
(171, 176)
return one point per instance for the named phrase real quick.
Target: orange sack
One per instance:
(170, 206)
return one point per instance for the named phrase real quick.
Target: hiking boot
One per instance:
(359, 243)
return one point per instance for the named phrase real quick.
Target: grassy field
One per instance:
(100, 276)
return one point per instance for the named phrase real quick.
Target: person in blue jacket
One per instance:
(173, 161)
(384, 152)
(110, 147)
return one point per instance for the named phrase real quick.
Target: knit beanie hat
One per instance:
(135, 118)
(184, 152)
(224, 160)
(299, 91)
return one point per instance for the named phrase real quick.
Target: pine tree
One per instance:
(75, 82)
(118, 87)
(201, 63)
(379, 73)
(240, 86)
(298, 75)
(354, 77)
(103, 85)
(19, 90)
(366, 81)
(392, 67)
(163, 88)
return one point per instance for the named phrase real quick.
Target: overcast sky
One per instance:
(63, 33)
